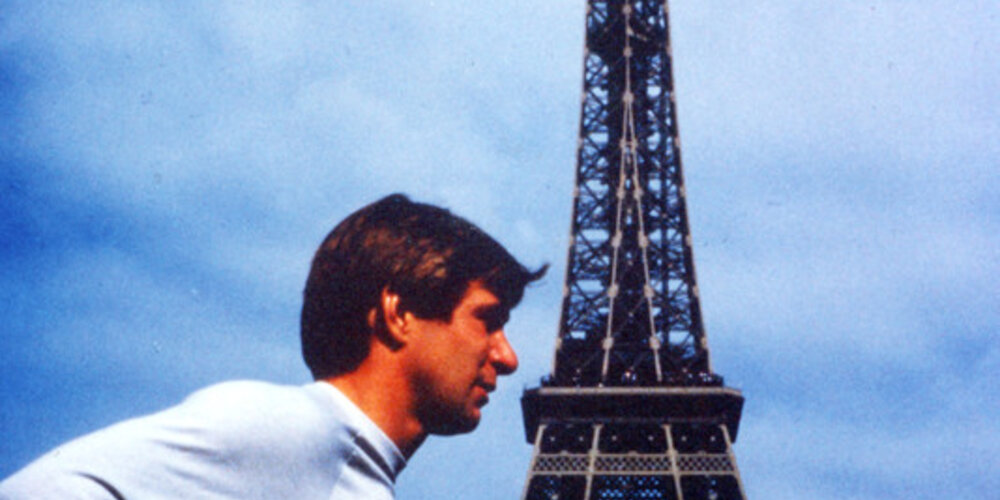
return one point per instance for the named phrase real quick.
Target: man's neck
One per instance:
(378, 395)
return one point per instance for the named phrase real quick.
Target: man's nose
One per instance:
(502, 356)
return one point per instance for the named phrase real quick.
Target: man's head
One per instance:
(453, 365)
(422, 253)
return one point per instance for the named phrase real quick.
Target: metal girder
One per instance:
(630, 285)
(632, 409)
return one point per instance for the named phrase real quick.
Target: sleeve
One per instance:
(33, 484)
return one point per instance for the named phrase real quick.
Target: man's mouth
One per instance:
(487, 389)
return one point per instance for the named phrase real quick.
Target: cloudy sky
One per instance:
(167, 168)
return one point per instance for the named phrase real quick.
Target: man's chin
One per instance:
(465, 424)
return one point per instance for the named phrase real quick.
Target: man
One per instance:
(402, 328)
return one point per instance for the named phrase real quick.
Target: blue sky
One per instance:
(169, 167)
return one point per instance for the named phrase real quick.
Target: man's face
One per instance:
(457, 362)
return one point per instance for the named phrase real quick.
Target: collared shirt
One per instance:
(234, 440)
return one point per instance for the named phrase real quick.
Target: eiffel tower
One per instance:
(632, 409)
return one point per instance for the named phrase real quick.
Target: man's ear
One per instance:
(393, 328)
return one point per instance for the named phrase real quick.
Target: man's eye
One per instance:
(494, 320)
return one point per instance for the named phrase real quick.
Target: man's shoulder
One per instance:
(228, 417)
(246, 392)
(242, 436)
(248, 425)
(259, 409)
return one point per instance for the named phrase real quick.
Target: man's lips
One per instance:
(487, 389)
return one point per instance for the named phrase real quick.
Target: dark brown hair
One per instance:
(423, 253)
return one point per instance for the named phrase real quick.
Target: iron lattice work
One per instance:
(631, 409)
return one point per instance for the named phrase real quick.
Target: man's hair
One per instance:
(425, 254)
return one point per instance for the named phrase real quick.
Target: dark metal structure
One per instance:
(632, 409)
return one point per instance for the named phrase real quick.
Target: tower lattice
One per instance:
(632, 409)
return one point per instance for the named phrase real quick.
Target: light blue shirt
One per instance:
(234, 440)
